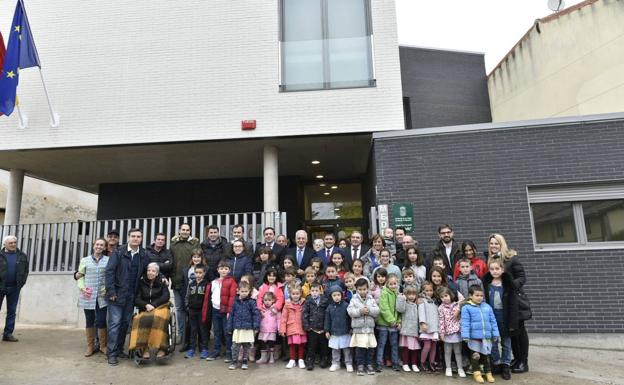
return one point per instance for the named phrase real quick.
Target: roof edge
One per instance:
(517, 124)
(545, 19)
(441, 49)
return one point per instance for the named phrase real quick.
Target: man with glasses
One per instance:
(446, 248)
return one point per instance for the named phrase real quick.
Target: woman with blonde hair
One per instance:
(498, 250)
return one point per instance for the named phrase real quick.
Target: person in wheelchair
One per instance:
(150, 332)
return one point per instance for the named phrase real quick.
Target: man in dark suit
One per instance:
(357, 249)
(269, 241)
(446, 248)
(302, 253)
(330, 246)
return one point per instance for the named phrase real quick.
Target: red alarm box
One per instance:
(248, 125)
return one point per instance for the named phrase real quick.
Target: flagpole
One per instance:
(23, 119)
(54, 117)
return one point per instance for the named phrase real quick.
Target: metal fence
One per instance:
(56, 248)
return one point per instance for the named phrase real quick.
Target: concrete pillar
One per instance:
(14, 197)
(271, 179)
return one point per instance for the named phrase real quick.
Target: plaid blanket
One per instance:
(150, 329)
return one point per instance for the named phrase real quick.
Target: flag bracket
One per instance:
(55, 120)
(22, 119)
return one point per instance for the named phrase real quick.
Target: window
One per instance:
(580, 216)
(325, 44)
(333, 201)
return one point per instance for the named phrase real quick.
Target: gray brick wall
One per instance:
(477, 182)
(444, 87)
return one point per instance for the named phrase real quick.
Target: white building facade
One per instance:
(150, 92)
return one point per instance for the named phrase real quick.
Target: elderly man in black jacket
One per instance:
(123, 271)
(13, 275)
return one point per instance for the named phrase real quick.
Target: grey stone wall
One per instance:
(477, 182)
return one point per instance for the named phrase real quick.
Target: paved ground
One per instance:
(54, 356)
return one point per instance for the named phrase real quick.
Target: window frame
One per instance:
(326, 85)
(575, 194)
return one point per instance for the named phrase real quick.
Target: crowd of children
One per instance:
(414, 318)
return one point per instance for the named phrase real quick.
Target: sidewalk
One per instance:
(55, 357)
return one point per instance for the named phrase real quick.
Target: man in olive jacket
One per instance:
(182, 246)
(13, 275)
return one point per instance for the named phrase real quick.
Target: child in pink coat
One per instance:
(269, 326)
(291, 326)
(449, 330)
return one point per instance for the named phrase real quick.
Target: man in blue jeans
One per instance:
(123, 271)
(13, 275)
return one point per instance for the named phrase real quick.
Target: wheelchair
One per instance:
(171, 337)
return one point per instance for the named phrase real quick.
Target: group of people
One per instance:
(362, 307)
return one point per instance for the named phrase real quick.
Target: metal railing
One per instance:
(56, 248)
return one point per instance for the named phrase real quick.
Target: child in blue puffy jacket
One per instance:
(479, 329)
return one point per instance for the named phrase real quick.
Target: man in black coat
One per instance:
(302, 253)
(13, 275)
(269, 241)
(159, 254)
(357, 249)
(446, 248)
(123, 271)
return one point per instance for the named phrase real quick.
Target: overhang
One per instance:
(85, 168)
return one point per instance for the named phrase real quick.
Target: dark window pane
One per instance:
(604, 220)
(554, 222)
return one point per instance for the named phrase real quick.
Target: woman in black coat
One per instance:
(498, 249)
(150, 326)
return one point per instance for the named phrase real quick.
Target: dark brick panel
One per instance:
(444, 88)
(477, 182)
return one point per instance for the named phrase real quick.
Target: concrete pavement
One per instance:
(55, 357)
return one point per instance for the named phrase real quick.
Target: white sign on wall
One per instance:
(382, 214)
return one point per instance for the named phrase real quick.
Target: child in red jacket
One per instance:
(221, 293)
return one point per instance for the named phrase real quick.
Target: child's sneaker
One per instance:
(461, 372)
(379, 367)
(227, 359)
(396, 367)
(489, 377)
(232, 365)
(334, 367)
(370, 370)
(360, 370)
(415, 368)
(244, 366)
(302, 364)
(212, 357)
(291, 364)
(349, 368)
(449, 372)
(203, 355)
(406, 368)
(190, 353)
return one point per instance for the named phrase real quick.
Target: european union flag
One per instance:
(21, 53)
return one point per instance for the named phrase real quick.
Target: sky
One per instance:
(489, 26)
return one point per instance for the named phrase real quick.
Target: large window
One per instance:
(325, 44)
(582, 216)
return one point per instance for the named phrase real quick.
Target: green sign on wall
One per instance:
(403, 215)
